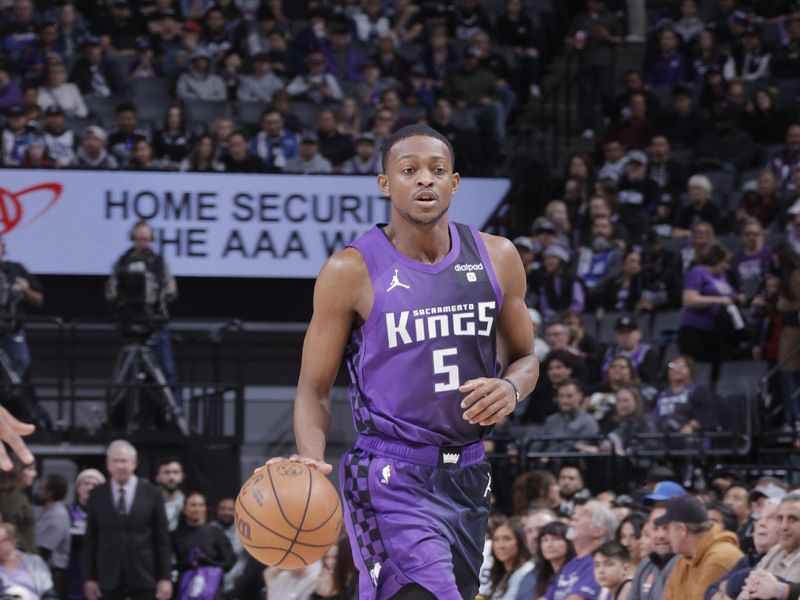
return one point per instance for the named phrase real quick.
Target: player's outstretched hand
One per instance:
(11, 431)
(487, 400)
(321, 465)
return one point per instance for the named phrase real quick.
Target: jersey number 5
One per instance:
(439, 368)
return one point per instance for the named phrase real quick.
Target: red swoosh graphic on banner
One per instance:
(12, 209)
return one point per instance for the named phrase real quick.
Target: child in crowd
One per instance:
(612, 570)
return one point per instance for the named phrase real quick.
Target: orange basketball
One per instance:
(288, 515)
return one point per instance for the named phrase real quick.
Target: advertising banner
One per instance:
(210, 225)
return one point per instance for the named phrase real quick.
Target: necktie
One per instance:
(121, 502)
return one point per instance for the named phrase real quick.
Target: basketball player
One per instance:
(415, 308)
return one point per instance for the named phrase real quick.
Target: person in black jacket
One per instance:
(127, 546)
(95, 73)
(198, 544)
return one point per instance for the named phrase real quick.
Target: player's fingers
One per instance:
(5, 462)
(17, 425)
(474, 414)
(499, 414)
(480, 391)
(489, 410)
(471, 384)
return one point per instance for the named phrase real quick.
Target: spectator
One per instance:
(202, 158)
(764, 121)
(145, 66)
(558, 291)
(671, 65)
(701, 238)
(783, 559)
(230, 72)
(612, 567)
(366, 160)
(707, 57)
(299, 583)
(21, 572)
(571, 489)
(471, 86)
(57, 91)
(630, 422)
(53, 528)
(634, 129)
(601, 263)
(706, 294)
(574, 425)
(495, 63)
(557, 213)
(785, 63)
(171, 143)
(653, 572)
(166, 43)
(349, 117)
(36, 156)
(699, 209)
(595, 34)
(225, 522)
(583, 344)
(689, 25)
(125, 134)
(197, 544)
(141, 159)
(684, 123)
(119, 28)
(134, 559)
(669, 174)
(621, 372)
(275, 144)
(638, 194)
(534, 489)
(591, 526)
(706, 552)
(762, 203)
(87, 480)
(344, 59)
(219, 34)
(334, 146)
(628, 343)
(750, 267)
(634, 84)
(16, 509)
(316, 86)
(198, 82)
(532, 524)
(724, 146)
(239, 160)
(95, 73)
(286, 62)
(787, 161)
(737, 498)
(614, 157)
(555, 550)
(10, 94)
(517, 30)
(540, 347)
(371, 86)
(624, 294)
(512, 574)
(169, 478)
(683, 404)
(92, 153)
(750, 59)
(309, 160)
(259, 86)
(58, 139)
(393, 67)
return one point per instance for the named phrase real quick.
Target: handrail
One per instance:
(761, 390)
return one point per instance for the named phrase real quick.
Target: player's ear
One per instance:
(456, 181)
(383, 184)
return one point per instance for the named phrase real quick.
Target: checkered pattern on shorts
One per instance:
(355, 489)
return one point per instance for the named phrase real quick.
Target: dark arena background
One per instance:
(643, 157)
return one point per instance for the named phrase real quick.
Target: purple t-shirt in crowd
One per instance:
(576, 578)
(19, 577)
(699, 278)
(750, 269)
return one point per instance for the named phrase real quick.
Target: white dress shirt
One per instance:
(130, 490)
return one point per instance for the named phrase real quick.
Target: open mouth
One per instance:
(426, 198)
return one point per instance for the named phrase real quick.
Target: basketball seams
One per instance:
(305, 509)
(272, 531)
(325, 522)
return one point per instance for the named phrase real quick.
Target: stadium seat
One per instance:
(674, 245)
(666, 321)
(306, 112)
(250, 113)
(463, 118)
(774, 238)
(153, 88)
(415, 113)
(723, 184)
(606, 327)
(103, 110)
(702, 374)
(741, 376)
(204, 112)
(731, 242)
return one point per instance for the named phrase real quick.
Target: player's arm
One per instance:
(340, 293)
(488, 399)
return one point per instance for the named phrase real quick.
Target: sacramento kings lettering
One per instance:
(439, 322)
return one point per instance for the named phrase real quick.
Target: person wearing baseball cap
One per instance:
(366, 160)
(628, 343)
(558, 290)
(655, 569)
(706, 551)
(664, 491)
(87, 480)
(638, 193)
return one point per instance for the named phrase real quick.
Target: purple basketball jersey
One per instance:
(431, 328)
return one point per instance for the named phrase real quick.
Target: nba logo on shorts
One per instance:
(472, 277)
(386, 473)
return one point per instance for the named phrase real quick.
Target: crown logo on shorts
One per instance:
(450, 458)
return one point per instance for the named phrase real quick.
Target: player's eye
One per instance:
(407, 170)
(439, 170)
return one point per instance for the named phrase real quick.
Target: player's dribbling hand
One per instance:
(321, 465)
(487, 400)
(10, 431)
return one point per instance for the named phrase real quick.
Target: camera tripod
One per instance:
(135, 365)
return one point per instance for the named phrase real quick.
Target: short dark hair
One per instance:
(714, 254)
(569, 382)
(57, 486)
(167, 460)
(411, 131)
(613, 550)
(125, 107)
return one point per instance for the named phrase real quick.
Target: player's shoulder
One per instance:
(501, 250)
(344, 270)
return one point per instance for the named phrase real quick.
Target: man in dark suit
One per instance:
(127, 541)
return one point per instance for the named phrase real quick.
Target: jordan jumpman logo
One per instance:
(396, 283)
